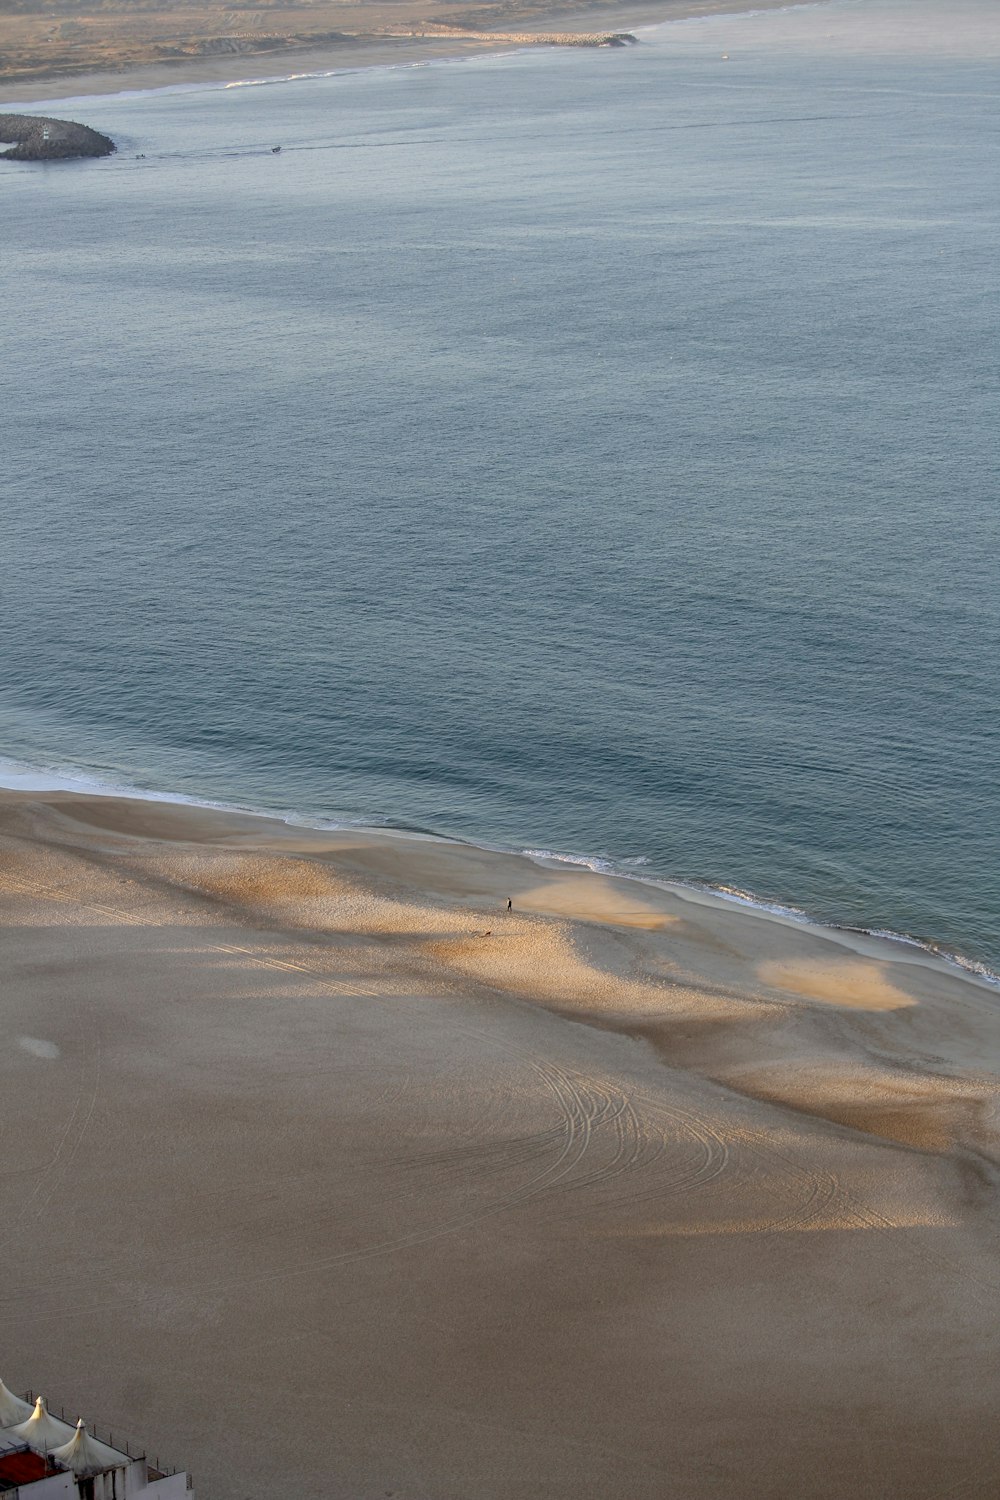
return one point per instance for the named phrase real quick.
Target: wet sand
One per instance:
(317, 1189)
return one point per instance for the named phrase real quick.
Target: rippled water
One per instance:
(590, 451)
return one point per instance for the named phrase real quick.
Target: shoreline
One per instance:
(359, 51)
(27, 783)
(452, 868)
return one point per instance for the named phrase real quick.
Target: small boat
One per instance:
(275, 150)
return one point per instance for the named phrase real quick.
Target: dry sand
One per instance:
(318, 1191)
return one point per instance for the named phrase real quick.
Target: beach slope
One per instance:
(331, 1177)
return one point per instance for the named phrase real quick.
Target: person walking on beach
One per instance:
(510, 904)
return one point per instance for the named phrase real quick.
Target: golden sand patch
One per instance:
(593, 899)
(854, 983)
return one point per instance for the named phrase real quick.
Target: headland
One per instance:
(36, 138)
(342, 1180)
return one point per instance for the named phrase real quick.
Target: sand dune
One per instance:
(322, 1191)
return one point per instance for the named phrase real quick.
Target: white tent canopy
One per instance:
(12, 1408)
(41, 1431)
(86, 1456)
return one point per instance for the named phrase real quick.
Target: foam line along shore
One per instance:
(20, 782)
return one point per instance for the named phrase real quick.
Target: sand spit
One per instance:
(622, 1194)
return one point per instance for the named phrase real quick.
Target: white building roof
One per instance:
(12, 1408)
(41, 1431)
(86, 1456)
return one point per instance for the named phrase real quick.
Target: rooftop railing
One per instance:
(105, 1435)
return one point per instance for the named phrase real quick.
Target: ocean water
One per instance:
(583, 451)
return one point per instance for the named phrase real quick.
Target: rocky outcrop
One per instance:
(33, 138)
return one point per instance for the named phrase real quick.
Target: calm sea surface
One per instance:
(583, 451)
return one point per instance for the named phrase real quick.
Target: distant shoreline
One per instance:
(362, 49)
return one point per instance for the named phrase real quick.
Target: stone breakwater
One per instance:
(34, 138)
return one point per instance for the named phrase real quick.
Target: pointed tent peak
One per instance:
(12, 1408)
(86, 1456)
(41, 1431)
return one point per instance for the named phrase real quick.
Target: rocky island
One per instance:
(34, 138)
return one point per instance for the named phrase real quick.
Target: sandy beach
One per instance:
(325, 1176)
(50, 55)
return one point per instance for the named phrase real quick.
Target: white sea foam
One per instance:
(971, 966)
(595, 862)
(747, 898)
(16, 775)
(623, 869)
(20, 776)
(220, 85)
(325, 825)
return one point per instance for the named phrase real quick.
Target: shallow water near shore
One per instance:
(580, 452)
